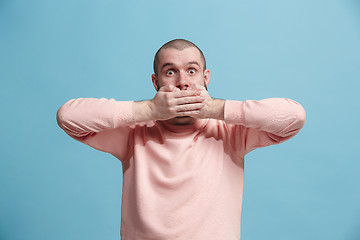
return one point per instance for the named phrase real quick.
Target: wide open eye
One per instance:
(170, 72)
(192, 71)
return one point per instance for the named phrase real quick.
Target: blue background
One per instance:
(52, 187)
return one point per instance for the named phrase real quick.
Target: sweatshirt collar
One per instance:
(183, 129)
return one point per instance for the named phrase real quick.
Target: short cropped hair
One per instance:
(178, 44)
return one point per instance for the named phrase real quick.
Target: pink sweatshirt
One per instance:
(181, 182)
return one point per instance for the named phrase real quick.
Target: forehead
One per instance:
(179, 57)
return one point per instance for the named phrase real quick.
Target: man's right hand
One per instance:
(169, 102)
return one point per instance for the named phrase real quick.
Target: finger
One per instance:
(199, 87)
(188, 100)
(188, 107)
(167, 88)
(194, 113)
(187, 93)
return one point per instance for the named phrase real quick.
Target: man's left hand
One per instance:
(213, 108)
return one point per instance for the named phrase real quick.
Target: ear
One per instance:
(207, 77)
(155, 81)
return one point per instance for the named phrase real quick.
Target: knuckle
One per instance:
(172, 110)
(169, 102)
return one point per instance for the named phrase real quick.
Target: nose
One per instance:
(182, 82)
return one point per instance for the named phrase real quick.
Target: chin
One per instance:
(182, 120)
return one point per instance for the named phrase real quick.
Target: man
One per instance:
(182, 152)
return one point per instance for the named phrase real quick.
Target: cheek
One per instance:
(200, 79)
(165, 82)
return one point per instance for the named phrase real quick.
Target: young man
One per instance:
(182, 152)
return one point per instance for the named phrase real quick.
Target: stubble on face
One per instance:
(166, 58)
(183, 120)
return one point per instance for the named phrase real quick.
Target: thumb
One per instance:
(173, 88)
(167, 88)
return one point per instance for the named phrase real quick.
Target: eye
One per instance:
(192, 71)
(170, 72)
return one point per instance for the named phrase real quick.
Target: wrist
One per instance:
(143, 111)
(217, 109)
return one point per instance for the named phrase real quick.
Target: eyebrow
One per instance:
(172, 64)
(166, 64)
(194, 62)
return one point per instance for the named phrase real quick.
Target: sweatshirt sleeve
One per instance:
(100, 123)
(265, 122)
